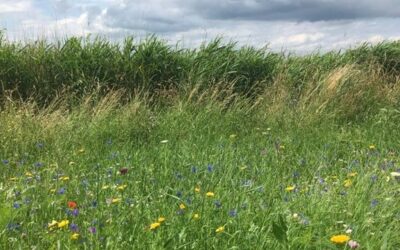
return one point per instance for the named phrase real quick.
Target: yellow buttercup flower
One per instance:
(155, 225)
(210, 194)
(340, 239)
(75, 236)
(64, 178)
(353, 174)
(115, 200)
(372, 146)
(161, 219)
(290, 188)
(347, 183)
(220, 229)
(196, 216)
(52, 224)
(82, 150)
(63, 223)
(182, 206)
(121, 187)
(197, 189)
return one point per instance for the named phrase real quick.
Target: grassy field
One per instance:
(222, 151)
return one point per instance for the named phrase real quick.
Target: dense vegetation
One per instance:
(145, 146)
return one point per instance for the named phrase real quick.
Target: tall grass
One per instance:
(81, 66)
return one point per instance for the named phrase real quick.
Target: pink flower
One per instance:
(353, 244)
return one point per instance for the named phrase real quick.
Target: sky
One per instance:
(282, 25)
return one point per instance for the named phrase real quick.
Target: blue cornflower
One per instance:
(39, 145)
(16, 205)
(217, 203)
(233, 213)
(374, 203)
(13, 226)
(93, 204)
(179, 194)
(38, 164)
(61, 191)
(178, 175)
(210, 168)
(5, 162)
(194, 169)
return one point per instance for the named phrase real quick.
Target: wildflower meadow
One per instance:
(306, 163)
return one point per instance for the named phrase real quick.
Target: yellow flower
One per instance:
(197, 189)
(75, 236)
(53, 223)
(53, 190)
(182, 206)
(347, 183)
(220, 229)
(28, 174)
(63, 223)
(353, 174)
(122, 187)
(82, 150)
(196, 216)
(13, 179)
(340, 239)
(64, 178)
(290, 188)
(115, 200)
(155, 225)
(161, 219)
(105, 187)
(210, 194)
(372, 146)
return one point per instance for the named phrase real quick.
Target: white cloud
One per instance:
(7, 6)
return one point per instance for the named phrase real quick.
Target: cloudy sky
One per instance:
(291, 25)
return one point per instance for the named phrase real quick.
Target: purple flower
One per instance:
(194, 169)
(92, 230)
(5, 162)
(75, 212)
(16, 205)
(74, 227)
(210, 168)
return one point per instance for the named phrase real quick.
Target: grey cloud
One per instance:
(154, 16)
(294, 10)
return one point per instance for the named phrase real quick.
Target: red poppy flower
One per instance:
(72, 204)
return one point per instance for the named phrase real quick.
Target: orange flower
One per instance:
(72, 204)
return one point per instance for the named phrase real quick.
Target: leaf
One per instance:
(279, 229)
